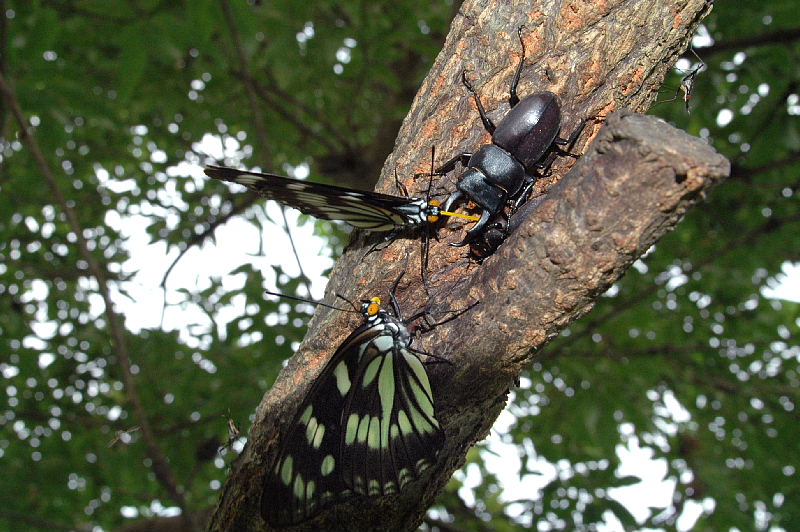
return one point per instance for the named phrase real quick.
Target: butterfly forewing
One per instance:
(366, 210)
(306, 475)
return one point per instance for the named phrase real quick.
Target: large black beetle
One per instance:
(524, 144)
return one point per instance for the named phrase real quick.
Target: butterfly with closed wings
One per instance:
(367, 426)
(371, 211)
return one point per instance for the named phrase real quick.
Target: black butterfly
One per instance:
(368, 425)
(371, 211)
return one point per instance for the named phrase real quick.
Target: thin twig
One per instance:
(4, 124)
(258, 123)
(249, 199)
(160, 465)
(748, 174)
(37, 522)
(769, 119)
(287, 115)
(783, 37)
(283, 96)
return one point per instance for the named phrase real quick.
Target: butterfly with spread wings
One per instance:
(371, 211)
(367, 427)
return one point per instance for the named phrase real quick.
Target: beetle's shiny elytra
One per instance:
(529, 129)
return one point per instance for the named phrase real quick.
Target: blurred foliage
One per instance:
(685, 356)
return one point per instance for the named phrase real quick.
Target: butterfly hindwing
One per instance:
(366, 210)
(390, 433)
(367, 426)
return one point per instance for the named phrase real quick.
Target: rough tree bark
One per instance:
(577, 237)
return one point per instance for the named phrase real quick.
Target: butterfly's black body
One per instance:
(367, 426)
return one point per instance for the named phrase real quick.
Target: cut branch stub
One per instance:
(567, 247)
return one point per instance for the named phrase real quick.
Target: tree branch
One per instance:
(633, 185)
(239, 206)
(4, 72)
(748, 174)
(622, 306)
(274, 95)
(37, 522)
(255, 112)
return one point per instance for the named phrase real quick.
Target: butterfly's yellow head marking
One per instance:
(433, 218)
(374, 306)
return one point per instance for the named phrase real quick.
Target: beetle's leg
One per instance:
(556, 150)
(573, 136)
(545, 165)
(487, 122)
(524, 193)
(558, 142)
(513, 99)
(491, 238)
(450, 165)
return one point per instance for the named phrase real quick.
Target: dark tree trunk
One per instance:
(570, 243)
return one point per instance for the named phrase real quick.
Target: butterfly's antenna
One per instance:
(355, 308)
(428, 228)
(309, 301)
(430, 181)
(426, 239)
(392, 297)
(399, 184)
